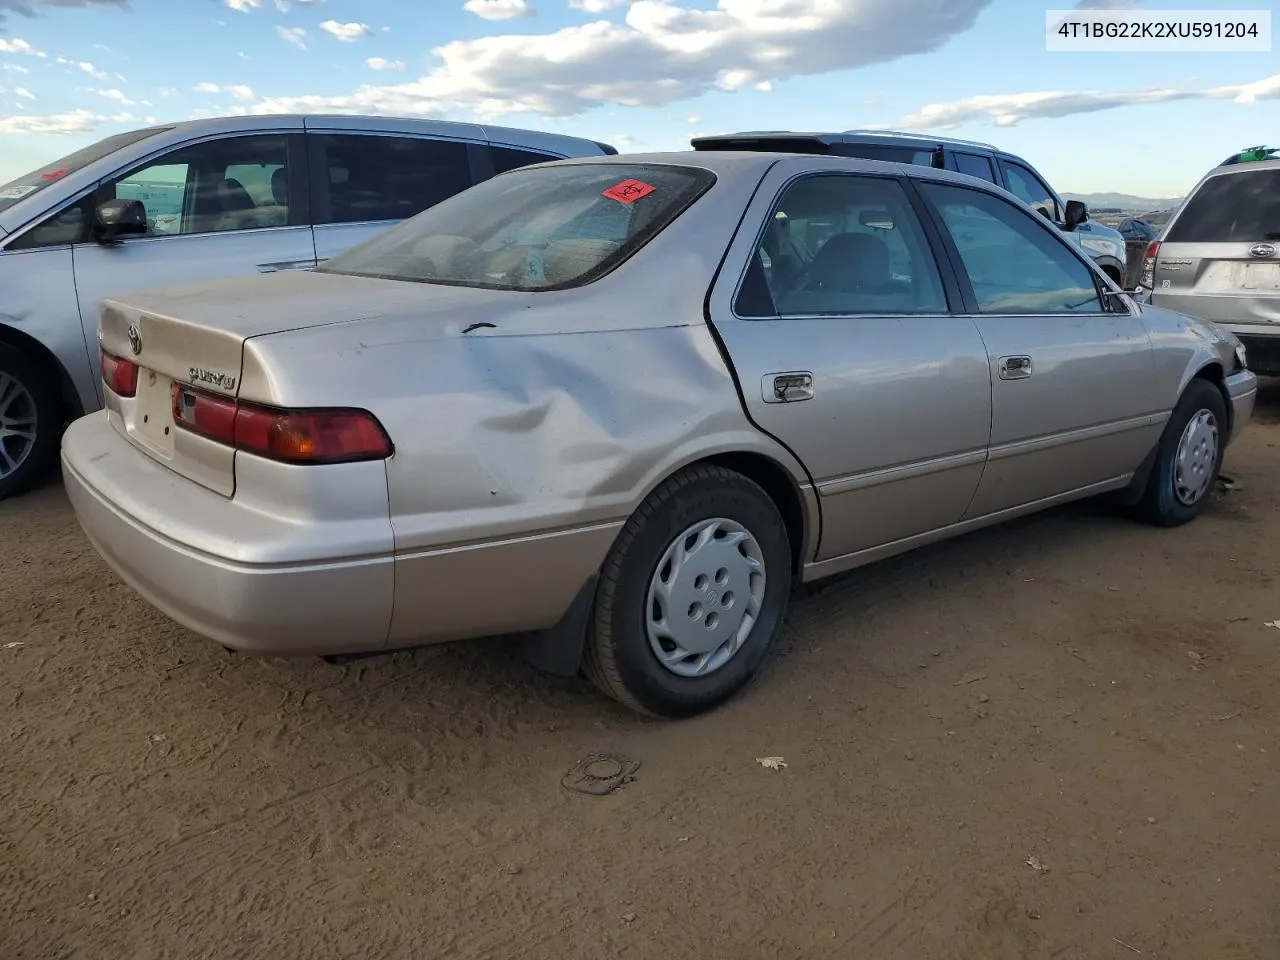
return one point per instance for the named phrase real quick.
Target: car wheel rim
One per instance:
(704, 597)
(1197, 453)
(17, 424)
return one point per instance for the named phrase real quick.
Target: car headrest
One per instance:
(850, 261)
(566, 260)
(280, 187)
(449, 255)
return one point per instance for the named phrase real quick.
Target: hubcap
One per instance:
(17, 424)
(1197, 454)
(704, 597)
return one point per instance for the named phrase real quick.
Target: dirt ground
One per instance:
(1056, 739)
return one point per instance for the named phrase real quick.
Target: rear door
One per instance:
(366, 180)
(223, 207)
(1073, 384)
(1219, 257)
(837, 318)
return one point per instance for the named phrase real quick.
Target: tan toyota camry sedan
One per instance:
(618, 406)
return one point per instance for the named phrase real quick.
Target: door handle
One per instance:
(787, 387)
(1015, 368)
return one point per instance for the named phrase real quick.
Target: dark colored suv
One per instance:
(1101, 244)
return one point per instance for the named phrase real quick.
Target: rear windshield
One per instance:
(541, 228)
(1231, 208)
(36, 180)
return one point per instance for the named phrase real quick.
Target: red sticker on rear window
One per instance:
(55, 174)
(629, 191)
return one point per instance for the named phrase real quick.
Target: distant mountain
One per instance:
(1124, 201)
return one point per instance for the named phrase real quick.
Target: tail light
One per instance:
(1148, 278)
(288, 436)
(118, 374)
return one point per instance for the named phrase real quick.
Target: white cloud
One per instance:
(116, 95)
(19, 46)
(595, 6)
(661, 54)
(236, 91)
(346, 32)
(1266, 89)
(377, 63)
(1010, 109)
(13, 68)
(23, 93)
(76, 122)
(764, 86)
(84, 66)
(293, 35)
(693, 119)
(499, 9)
(243, 6)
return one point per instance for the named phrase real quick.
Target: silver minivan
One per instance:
(1219, 257)
(202, 200)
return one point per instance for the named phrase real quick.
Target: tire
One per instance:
(30, 425)
(622, 651)
(1166, 502)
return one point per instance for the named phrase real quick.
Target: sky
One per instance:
(643, 75)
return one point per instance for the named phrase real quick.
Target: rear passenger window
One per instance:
(842, 245)
(509, 158)
(975, 166)
(922, 158)
(370, 177)
(1232, 208)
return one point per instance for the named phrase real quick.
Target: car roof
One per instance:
(828, 138)
(754, 163)
(381, 122)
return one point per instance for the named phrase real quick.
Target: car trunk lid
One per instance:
(191, 339)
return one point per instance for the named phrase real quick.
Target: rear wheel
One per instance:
(692, 595)
(29, 422)
(1188, 458)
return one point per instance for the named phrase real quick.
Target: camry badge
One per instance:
(1262, 250)
(135, 339)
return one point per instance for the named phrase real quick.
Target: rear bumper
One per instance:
(123, 500)
(266, 582)
(1263, 348)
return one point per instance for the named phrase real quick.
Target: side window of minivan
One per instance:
(1030, 189)
(362, 177)
(974, 165)
(226, 184)
(510, 158)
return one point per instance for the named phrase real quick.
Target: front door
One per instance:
(838, 323)
(216, 209)
(1074, 393)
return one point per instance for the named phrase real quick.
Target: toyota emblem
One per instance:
(1262, 250)
(135, 339)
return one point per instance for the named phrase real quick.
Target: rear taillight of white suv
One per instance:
(1148, 277)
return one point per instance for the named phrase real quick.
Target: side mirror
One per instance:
(1077, 213)
(117, 219)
